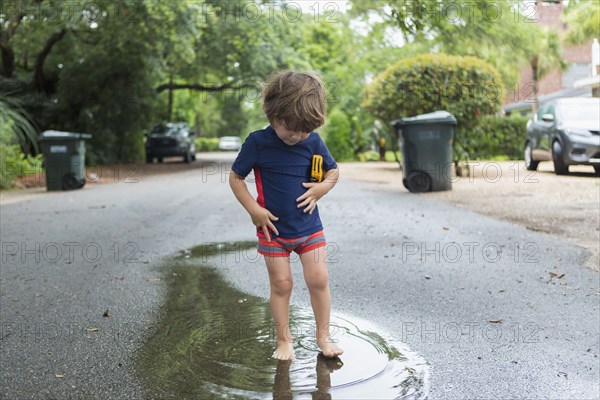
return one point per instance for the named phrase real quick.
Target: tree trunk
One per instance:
(8, 61)
(534, 70)
(8, 55)
(170, 110)
(39, 80)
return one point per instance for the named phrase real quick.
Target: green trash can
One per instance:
(426, 142)
(64, 159)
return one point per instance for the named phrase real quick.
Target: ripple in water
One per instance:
(214, 341)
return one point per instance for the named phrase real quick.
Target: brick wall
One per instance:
(548, 15)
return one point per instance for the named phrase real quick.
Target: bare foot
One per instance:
(329, 348)
(284, 351)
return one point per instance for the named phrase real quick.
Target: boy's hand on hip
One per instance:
(311, 196)
(261, 217)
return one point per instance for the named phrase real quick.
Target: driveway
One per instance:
(566, 207)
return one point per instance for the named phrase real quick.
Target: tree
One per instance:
(102, 67)
(337, 131)
(501, 33)
(583, 20)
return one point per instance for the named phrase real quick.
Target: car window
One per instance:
(546, 109)
(184, 132)
(160, 129)
(577, 112)
(543, 110)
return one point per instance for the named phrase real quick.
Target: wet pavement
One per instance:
(495, 310)
(214, 340)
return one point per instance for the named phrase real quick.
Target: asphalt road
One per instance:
(497, 310)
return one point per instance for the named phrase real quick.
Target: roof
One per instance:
(569, 92)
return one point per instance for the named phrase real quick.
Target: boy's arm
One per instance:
(331, 178)
(317, 190)
(261, 217)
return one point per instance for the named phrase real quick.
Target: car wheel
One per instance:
(560, 168)
(187, 158)
(530, 164)
(597, 169)
(149, 159)
(418, 182)
(193, 156)
(159, 159)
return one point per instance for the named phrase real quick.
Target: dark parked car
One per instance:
(171, 139)
(566, 132)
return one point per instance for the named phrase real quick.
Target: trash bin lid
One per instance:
(59, 135)
(437, 117)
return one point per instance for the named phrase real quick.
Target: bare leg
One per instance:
(314, 264)
(280, 278)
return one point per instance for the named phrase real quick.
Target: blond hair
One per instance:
(295, 99)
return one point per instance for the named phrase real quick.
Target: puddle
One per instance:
(214, 341)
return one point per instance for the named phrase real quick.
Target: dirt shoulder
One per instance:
(567, 207)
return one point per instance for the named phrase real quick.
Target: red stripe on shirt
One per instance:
(259, 188)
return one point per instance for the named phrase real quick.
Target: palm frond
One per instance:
(24, 129)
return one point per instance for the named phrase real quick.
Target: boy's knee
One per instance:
(317, 281)
(282, 286)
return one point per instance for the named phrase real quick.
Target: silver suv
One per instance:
(567, 132)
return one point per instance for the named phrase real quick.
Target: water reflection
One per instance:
(212, 340)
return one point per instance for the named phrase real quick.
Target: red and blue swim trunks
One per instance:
(283, 247)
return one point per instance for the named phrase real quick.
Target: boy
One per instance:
(285, 212)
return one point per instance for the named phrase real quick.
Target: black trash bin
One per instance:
(64, 159)
(426, 142)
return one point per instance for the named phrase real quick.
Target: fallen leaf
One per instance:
(92, 329)
(445, 228)
(106, 313)
(59, 375)
(495, 321)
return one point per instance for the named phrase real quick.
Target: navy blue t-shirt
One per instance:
(279, 171)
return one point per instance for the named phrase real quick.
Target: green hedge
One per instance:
(337, 136)
(497, 138)
(368, 155)
(207, 144)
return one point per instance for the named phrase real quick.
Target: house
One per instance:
(578, 80)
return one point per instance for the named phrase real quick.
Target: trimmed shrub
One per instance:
(467, 87)
(498, 138)
(337, 136)
(207, 144)
(368, 155)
